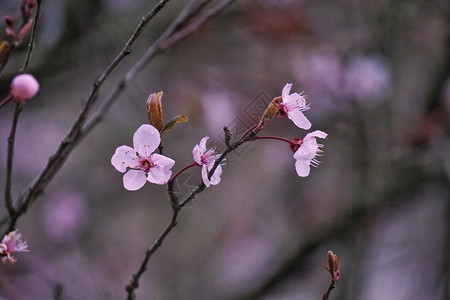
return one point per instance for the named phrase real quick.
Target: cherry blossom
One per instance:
(24, 87)
(306, 153)
(293, 106)
(12, 242)
(206, 159)
(139, 164)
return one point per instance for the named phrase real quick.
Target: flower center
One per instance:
(145, 164)
(208, 158)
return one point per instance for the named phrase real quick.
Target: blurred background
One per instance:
(377, 78)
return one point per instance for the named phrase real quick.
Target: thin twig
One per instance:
(134, 284)
(31, 44)
(9, 161)
(327, 293)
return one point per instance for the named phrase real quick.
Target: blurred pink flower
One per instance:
(293, 106)
(65, 215)
(306, 154)
(24, 87)
(12, 242)
(206, 159)
(139, 164)
(319, 71)
(366, 79)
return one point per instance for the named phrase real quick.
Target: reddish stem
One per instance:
(182, 170)
(250, 129)
(272, 138)
(6, 100)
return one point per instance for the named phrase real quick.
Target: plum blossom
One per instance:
(139, 164)
(12, 242)
(293, 106)
(24, 87)
(367, 79)
(305, 155)
(205, 159)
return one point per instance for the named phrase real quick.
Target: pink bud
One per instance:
(24, 87)
(9, 21)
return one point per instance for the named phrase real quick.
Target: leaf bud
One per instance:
(154, 110)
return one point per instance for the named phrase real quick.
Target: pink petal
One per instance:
(306, 151)
(302, 167)
(146, 139)
(203, 143)
(285, 92)
(159, 175)
(162, 161)
(134, 180)
(124, 157)
(197, 154)
(316, 134)
(205, 176)
(215, 178)
(299, 119)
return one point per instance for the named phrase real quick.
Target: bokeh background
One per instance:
(377, 76)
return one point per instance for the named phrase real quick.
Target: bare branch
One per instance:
(31, 44)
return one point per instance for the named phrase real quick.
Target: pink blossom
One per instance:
(367, 79)
(12, 242)
(206, 159)
(307, 152)
(293, 106)
(24, 87)
(139, 164)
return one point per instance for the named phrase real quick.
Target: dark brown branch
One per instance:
(31, 44)
(9, 162)
(134, 284)
(327, 293)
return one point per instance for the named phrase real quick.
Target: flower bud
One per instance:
(4, 51)
(332, 261)
(9, 21)
(24, 87)
(154, 110)
(270, 112)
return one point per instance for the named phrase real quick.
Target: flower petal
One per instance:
(124, 157)
(206, 181)
(316, 134)
(203, 143)
(215, 178)
(134, 180)
(307, 151)
(285, 92)
(159, 175)
(146, 139)
(162, 161)
(302, 167)
(197, 154)
(299, 119)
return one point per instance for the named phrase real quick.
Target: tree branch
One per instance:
(31, 44)
(9, 161)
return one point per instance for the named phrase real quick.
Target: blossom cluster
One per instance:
(12, 242)
(307, 149)
(140, 164)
